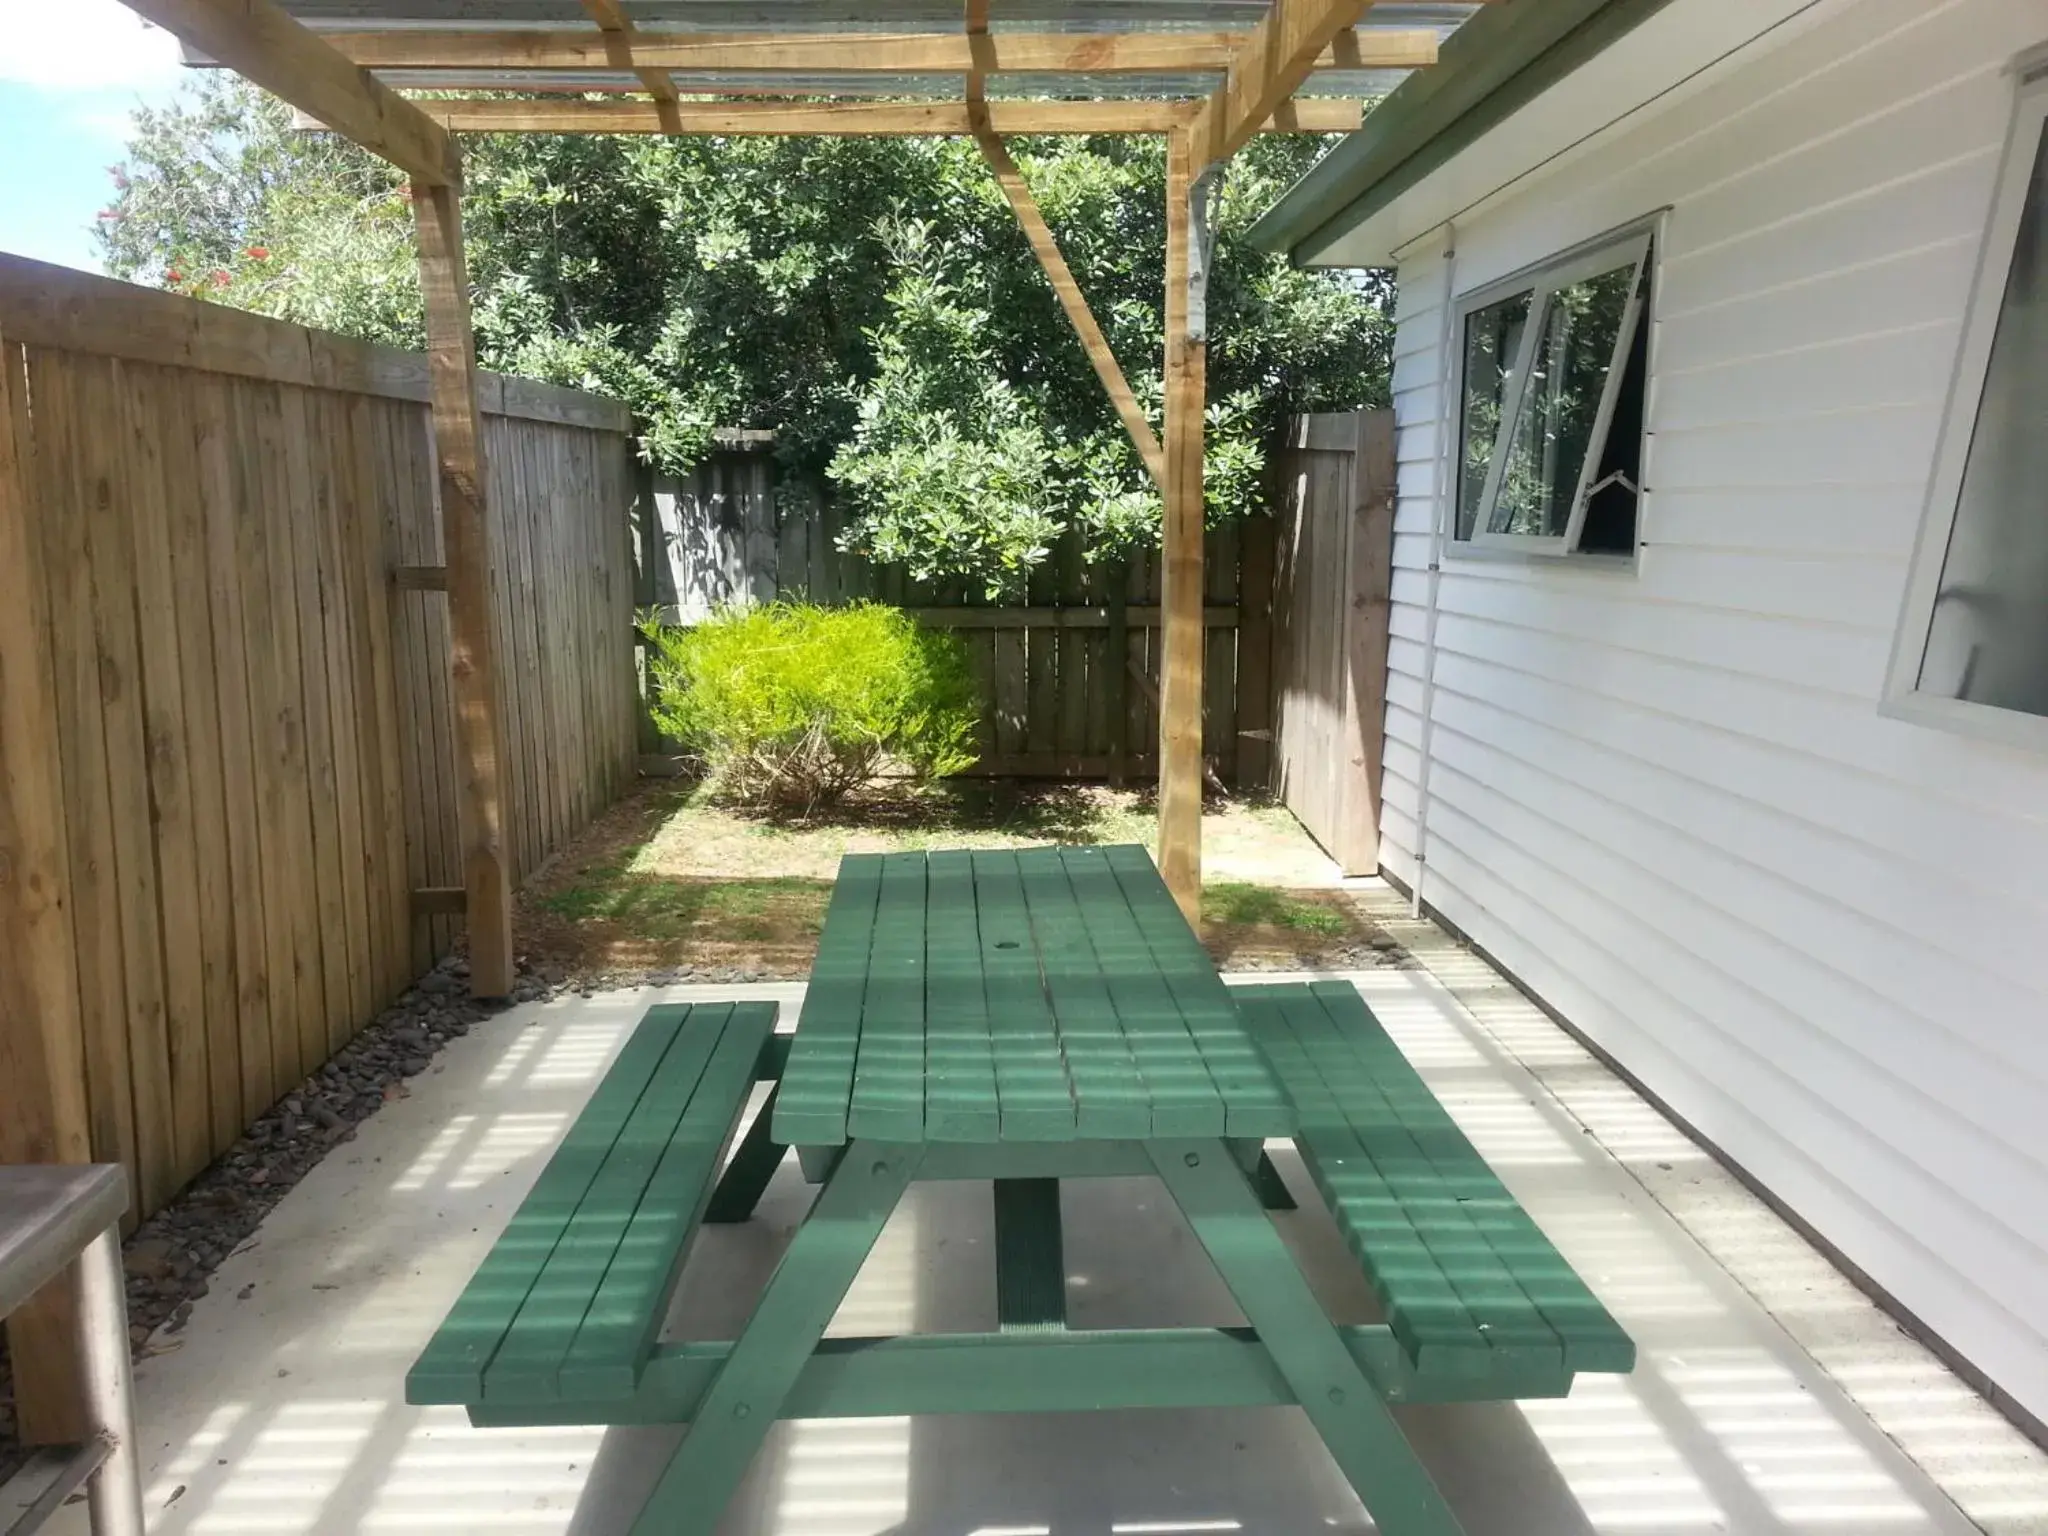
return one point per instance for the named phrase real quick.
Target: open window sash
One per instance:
(1917, 686)
(1627, 255)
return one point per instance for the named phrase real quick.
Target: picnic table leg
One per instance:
(752, 1166)
(1231, 1224)
(1251, 1156)
(746, 1397)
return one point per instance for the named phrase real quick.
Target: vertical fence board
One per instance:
(166, 775)
(1255, 653)
(413, 616)
(370, 602)
(111, 494)
(250, 916)
(346, 769)
(288, 851)
(102, 994)
(308, 517)
(204, 733)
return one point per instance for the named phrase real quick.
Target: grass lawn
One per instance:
(669, 880)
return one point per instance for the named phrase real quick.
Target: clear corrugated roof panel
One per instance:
(1350, 84)
(654, 19)
(839, 15)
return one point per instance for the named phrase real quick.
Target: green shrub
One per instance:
(793, 706)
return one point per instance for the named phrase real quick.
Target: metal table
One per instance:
(49, 1216)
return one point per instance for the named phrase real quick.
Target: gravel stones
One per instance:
(169, 1257)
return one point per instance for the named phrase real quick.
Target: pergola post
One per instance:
(42, 1053)
(466, 551)
(1180, 675)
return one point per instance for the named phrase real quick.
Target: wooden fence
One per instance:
(231, 529)
(1069, 671)
(1335, 480)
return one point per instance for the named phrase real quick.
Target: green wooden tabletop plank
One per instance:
(1252, 1097)
(627, 1309)
(817, 1080)
(451, 1368)
(889, 1072)
(1586, 1333)
(1403, 1128)
(1184, 1097)
(1032, 1086)
(1109, 1096)
(960, 1094)
(1428, 1316)
(528, 1362)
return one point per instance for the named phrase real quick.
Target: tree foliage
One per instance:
(872, 300)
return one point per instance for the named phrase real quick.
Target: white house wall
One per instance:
(1666, 799)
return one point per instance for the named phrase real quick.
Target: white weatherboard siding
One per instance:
(1666, 799)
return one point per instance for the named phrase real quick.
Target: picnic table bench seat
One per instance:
(1469, 1283)
(569, 1300)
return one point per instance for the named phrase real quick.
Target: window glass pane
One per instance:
(1581, 324)
(1493, 336)
(1610, 523)
(1988, 641)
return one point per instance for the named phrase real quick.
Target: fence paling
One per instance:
(253, 721)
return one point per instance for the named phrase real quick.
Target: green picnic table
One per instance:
(1023, 1018)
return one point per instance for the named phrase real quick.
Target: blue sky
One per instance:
(70, 73)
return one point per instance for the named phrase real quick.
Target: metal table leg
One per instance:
(114, 1497)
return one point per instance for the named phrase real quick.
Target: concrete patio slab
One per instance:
(278, 1408)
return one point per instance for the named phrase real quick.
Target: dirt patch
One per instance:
(672, 885)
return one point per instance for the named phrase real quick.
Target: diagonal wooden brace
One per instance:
(1309, 1351)
(1047, 249)
(745, 1398)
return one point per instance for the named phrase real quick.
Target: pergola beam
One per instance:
(260, 42)
(1104, 53)
(857, 118)
(1275, 59)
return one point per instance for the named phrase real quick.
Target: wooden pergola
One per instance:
(1205, 74)
(659, 66)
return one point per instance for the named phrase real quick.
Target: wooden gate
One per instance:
(1335, 500)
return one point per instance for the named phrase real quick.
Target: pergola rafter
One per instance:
(621, 52)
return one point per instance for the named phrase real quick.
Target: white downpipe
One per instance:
(1440, 523)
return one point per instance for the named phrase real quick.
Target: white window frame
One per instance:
(1903, 697)
(1540, 282)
